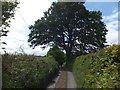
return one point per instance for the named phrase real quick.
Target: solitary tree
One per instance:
(71, 27)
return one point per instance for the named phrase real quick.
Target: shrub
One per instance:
(57, 54)
(27, 71)
(98, 70)
(113, 52)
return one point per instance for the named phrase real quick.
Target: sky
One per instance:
(33, 10)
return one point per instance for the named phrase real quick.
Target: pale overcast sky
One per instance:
(32, 10)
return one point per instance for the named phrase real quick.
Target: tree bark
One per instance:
(68, 57)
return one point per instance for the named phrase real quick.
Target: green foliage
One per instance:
(27, 71)
(98, 70)
(71, 27)
(8, 11)
(57, 54)
(114, 52)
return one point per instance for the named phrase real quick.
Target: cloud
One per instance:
(111, 17)
(111, 22)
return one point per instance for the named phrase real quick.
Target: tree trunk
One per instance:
(68, 57)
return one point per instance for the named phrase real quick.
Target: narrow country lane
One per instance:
(55, 80)
(62, 82)
(70, 80)
(65, 80)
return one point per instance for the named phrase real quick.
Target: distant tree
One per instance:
(7, 12)
(57, 54)
(71, 27)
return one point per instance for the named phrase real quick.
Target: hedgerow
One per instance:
(98, 70)
(28, 71)
(57, 54)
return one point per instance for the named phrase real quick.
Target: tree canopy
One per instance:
(7, 12)
(71, 27)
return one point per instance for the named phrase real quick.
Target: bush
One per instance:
(57, 54)
(113, 52)
(25, 71)
(98, 70)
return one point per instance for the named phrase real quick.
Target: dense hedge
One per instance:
(57, 54)
(98, 70)
(27, 71)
